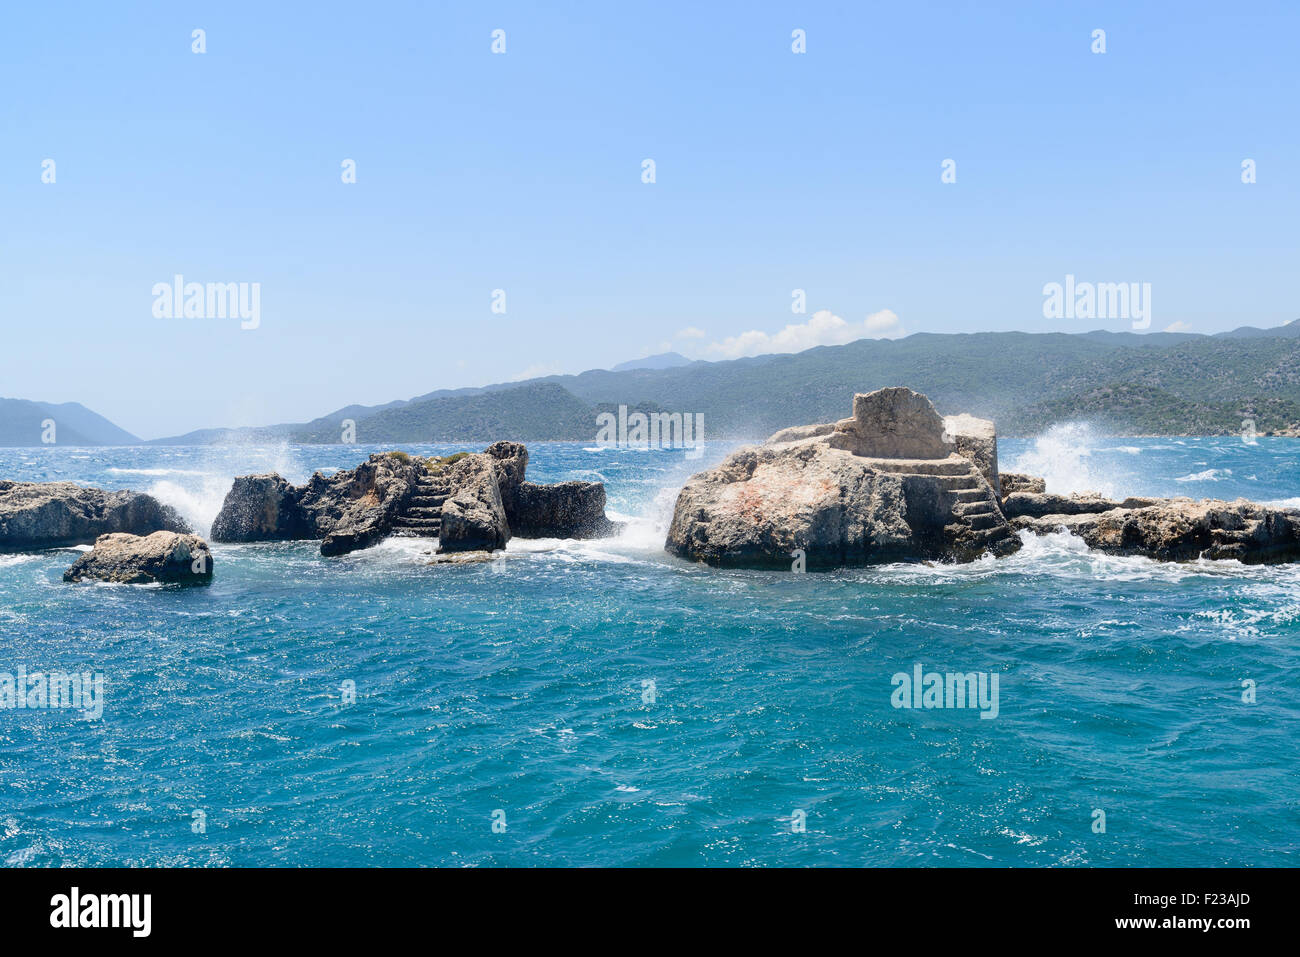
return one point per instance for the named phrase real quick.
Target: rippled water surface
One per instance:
(619, 707)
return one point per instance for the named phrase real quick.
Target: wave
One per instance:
(1062, 456)
(1209, 475)
(197, 505)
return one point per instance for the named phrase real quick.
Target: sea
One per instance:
(601, 703)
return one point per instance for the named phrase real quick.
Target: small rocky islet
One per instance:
(894, 482)
(898, 482)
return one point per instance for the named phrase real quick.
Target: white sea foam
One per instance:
(1209, 475)
(1063, 456)
(197, 494)
(198, 502)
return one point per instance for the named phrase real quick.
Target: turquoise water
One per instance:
(523, 689)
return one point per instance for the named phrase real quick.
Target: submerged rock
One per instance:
(464, 558)
(39, 515)
(163, 557)
(887, 485)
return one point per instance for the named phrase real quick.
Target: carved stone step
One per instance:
(414, 532)
(953, 465)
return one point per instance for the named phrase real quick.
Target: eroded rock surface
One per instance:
(468, 501)
(886, 485)
(40, 515)
(162, 557)
(1183, 530)
(473, 517)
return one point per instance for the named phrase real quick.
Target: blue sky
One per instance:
(522, 172)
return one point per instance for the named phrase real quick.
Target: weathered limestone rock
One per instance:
(797, 432)
(262, 508)
(39, 515)
(1016, 482)
(466, 558)
(976, 439)
(348, 510)
(473, 517)
(1183, 530)
(562, 510)
(882, 486)
(163, 557)
(358, 508)
(1035, 504)
(892, 424)
(510, 460)
(472, 506)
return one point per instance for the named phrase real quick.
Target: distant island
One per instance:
(1155, 384)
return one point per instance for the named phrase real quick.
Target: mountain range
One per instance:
(27, 423)
(1160, 383)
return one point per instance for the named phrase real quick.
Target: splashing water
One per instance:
(1063, 455)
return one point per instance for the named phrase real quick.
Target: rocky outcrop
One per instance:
(886, 485)
(358, 508)
(38, 515)
(561, 510)
(1166, 529)
(1017, 482)
(161, 558)
(473, 517)
(1183, 530)
(1036, 504)
(468, 501)
(262, 508)
(510, 460)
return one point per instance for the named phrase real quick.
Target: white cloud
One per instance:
(823, 328)
(690, 332)
(1178, 326)
(884, 324)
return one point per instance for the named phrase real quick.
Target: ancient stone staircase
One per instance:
(976, 512)
(422, 518)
